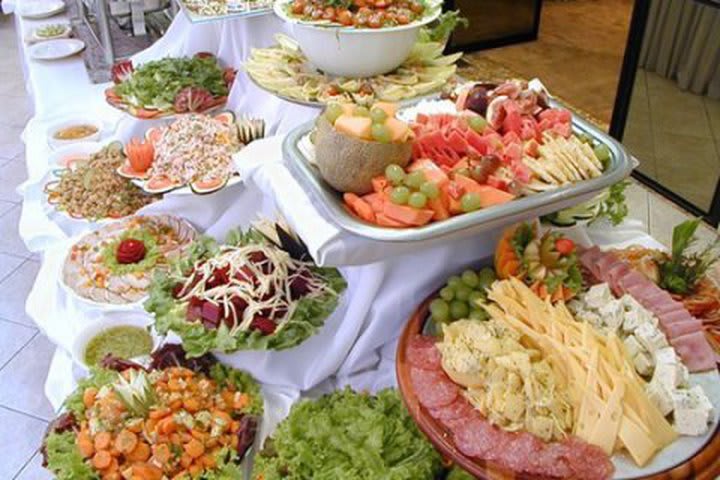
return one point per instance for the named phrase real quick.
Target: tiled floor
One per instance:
(677, 136)
(24, 352)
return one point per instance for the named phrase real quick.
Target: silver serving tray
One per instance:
(481, 220)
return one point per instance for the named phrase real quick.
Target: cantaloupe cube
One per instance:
(399, 130)
(389, 108)
(348, 108)
(358, 127)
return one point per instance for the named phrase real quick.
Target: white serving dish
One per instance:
(70, 121)
(56, 49)
(104, 322)
(41, 8)
(57, 160)
(35, 37)
(353, 52)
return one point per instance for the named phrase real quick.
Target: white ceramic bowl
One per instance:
(355, 52)
(105, 322)
(68, 122)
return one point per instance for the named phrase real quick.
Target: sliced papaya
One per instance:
(160, 184)
(407, 215)
(225, 117)
(202, 187)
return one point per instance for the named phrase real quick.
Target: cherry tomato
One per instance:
(375, 22)
(298, 7)
(416, 7)
(345, 17)
(329, 14)
(402, 19)
(564, 246)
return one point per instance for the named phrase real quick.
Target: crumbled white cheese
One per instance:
(661, 396)
(650, 337)
(633, 346)
(692, 411)
(643, 362)
(598, 295)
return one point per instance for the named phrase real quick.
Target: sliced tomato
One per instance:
(146, 114)
(564, 246)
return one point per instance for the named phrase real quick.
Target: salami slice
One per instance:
(520, 452)
(475, 438)
(588, 461)
(423, 353)
(433, 388)
(460, 410)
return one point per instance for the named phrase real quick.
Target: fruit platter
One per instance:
(174, 418)
(557, 361)
(193, 153)
(83, 184)
(170, 86)
(201, 11)
(485, 156)
(260, 290)
(284, 71)
(115, 264)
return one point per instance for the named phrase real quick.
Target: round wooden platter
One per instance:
(704, 465)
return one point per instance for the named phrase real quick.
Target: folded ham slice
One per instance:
(695, 351)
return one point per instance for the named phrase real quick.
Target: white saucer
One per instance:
(56, 49)
(41, 9)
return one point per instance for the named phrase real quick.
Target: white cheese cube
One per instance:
(598, 295)
(650, 337)
(666, 355)
(643, 362)
(683, 377)
(630, 303)
(590, 317)
(633, 319)
(670, 375)
(701, 397)
(691, 414)
(661, 397)
(633, 346)
(612, 314)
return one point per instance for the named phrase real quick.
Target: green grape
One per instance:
(332, 112)
(470, 202)
(447, 293)
(487, 277)
(395, 174)
(475, 297)
(440, 310)
(400, 195)
(462, 293)
(361, 111)
(477, 123)
(417, 200)
(378, 115)
(430, 190)
(454, 281)
(602, 152)
(415, 179)
(470, 278)
(478, 314)
(459, 309)
(380, 133)
(585, 138)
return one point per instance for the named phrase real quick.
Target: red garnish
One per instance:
(265, 325)
(130, 251)
(121, 71)
(564, 246)
(204, 55)
(192, 99)
(229, 76)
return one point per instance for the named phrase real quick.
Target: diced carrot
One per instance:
(113, 467)
(147, 472)
(111, 475)
(140, 454)
(192, 405)
(159, 413)
(198, 435)
(101, 459)
(407, 215)
(85, 444)
(361, 208)
(176, 405)
(167, 425)
(89, 396)
(558, 294)
(174, 385)
(195, 469)
(186, 460)
(162, 453)
(194, 448)
(136, 427)
(208, 461)
(102, 441)
(379, 183)
(126, 441)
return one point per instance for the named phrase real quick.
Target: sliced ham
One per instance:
(617, 271)
(678, 316)
(695, 351)
(679, 329)
(668, 307)
(633, 279)
(589, 256)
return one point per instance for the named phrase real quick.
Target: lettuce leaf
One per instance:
(65, 460)
(197, 340)
(351, 436)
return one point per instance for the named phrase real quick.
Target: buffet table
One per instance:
(386, 281)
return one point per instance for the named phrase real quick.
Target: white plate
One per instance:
(35, 37)
(56, 49)
(74, 120)
(41, 9)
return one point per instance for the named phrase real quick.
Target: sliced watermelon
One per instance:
(125, 170)
(202, 187)
(160, 184)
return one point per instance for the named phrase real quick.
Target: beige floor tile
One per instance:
(13, 337)
(21, 436)
(677, 112)
(10, 241)
(15, 288)
(22, 380)
(638, 138)
(688, 166)
(34, 470)
(712, 107)
(665, 215)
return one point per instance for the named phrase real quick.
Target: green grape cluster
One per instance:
(412, 188)
(459, 298)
